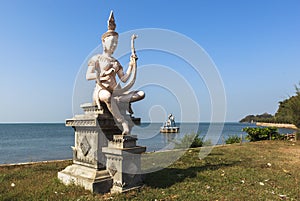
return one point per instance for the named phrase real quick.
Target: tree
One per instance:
(289, 109)
(284, 114)
(295, 107)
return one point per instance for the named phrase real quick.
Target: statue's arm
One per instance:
(91, 74)
(124, 76)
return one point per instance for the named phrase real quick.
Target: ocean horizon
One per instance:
(31, 142)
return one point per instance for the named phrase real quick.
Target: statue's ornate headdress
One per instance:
(111, 26)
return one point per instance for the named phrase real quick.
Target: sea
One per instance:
(20, 143)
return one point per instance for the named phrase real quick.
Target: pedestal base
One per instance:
(103, 161)
(96, 181)
(124, 163)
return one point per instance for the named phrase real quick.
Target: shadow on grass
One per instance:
(169, 176)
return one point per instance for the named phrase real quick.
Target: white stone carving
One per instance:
(104, 68)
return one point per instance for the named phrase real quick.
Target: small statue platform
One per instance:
(170, 125)
(102, 160)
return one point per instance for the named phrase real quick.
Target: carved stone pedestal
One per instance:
(97, 181)
(94, 131)
(124, 163)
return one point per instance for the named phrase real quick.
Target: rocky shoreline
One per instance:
(33, 163)
(277, 125)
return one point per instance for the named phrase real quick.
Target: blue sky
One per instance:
(43, 43)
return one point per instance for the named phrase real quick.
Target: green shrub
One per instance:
(233, 139)
(266, 133)
(190, 141)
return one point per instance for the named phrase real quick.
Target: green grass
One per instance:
(232, 172)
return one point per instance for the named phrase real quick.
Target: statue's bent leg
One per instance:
(128, 97)
(132, 96)
(119, 117)
(112, 106)
(137, 96)
(96, 99)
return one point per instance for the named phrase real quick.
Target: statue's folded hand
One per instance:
(132, 60)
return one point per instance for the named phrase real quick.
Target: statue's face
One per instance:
(110, 44)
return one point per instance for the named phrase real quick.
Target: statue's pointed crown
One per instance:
(111, 26)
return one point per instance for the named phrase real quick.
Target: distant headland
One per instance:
(269, 120)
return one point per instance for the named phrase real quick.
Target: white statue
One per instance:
(171, 121)
(104, 68)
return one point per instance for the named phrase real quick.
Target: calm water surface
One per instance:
(39, 142)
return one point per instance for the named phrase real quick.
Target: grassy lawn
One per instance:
(268, 170)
